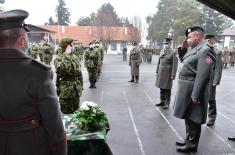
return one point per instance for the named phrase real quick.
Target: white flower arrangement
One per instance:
(90, 117)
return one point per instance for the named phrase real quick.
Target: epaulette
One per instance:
(40, 64)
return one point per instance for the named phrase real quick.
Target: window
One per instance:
(113, 46)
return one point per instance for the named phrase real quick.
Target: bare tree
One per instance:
(103, 28)
(137, 30)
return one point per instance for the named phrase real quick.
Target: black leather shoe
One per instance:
(232, 138)
(165, 106)
(186, 149)
(180, 143)
(131, 81)
(210, 123)
(160, 104)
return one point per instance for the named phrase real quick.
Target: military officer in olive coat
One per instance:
(215, 81)
(192, 95)
(232, 57)
(226, 53)
(134, 62)
(166, 71)
(30, 122)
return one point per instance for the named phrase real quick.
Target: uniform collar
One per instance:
(12, 53)
(195, 49)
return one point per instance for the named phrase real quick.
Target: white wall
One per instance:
(226, 41)
(119, 50)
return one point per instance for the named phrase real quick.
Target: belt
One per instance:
(21, 125)
(188, 78)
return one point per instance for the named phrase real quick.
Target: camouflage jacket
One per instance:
(92, 58)
(69, 76)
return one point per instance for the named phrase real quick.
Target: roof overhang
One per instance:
(224, 6)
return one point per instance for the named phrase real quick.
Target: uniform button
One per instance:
(33, 122)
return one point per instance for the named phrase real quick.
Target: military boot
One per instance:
(132, 79)
(136, 79)
(162, 99)
(168, 100)
(94, 81)
(91, 84)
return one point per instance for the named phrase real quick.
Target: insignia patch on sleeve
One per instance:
(208, 60)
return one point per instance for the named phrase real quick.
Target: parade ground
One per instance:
(138, 127)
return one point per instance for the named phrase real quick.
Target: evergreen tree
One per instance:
(212, 21)
(62, 13)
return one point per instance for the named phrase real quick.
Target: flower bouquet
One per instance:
(90, 117)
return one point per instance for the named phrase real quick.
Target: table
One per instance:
(84, 142)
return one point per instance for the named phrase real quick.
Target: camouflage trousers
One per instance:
(92, 72)
(47, 59)
(69, 106)
(34, 56)
(41, 57)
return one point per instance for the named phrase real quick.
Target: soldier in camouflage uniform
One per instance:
(47, 53)
(91, 63)
(33, 51)
(69, 80)
(100, 58)
(40, 51)
(78, 50)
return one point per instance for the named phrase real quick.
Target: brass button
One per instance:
(33, 122)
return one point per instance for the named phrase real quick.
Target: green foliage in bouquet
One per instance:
(90, 117)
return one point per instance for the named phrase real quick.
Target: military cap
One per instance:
(193, 28)
(167, 40)
(13, 19)
(209, 36)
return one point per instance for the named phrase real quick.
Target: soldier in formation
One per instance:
(215, 80)
(124, 54)
(33, 51)
(232, 57)
(40, 51)
(149, 55)
(134, 62)
(48, 52)
(91, 60)
(165, 72)
(69, 77)
(226, 57)
(100, 52)
(192, 97)
(78, 50)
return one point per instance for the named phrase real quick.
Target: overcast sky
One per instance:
(41, 10)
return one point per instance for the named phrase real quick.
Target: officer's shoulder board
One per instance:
(41, 65)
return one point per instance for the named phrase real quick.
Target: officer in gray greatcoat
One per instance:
(192, 96)
(124, 54)
(166, 71)
(215, 80)
(30, 117)
(134, 62)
